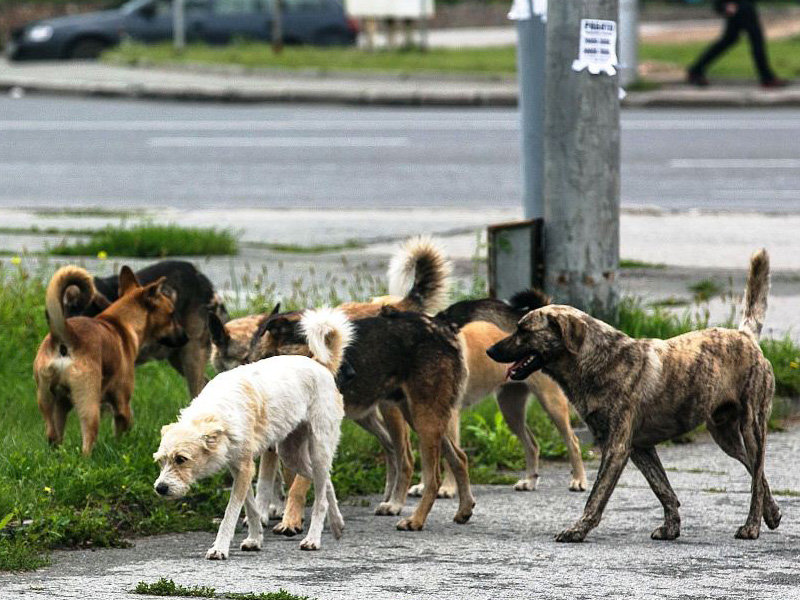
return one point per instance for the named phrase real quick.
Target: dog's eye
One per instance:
(179, 460)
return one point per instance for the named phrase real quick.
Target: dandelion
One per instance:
(794, 364)
(48, 489)
(16, 260)
(102, 255)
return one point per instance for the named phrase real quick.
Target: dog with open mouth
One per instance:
(288, 403)
(636, 393)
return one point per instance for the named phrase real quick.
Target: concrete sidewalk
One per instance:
(505, 551)
(237, 84)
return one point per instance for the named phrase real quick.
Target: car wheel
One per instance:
(88, 48)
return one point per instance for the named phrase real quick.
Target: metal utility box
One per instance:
(390, 9)
(516, 257)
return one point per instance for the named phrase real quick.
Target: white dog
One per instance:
(288, 403)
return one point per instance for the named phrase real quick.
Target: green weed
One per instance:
(705, 289)
(153, 241)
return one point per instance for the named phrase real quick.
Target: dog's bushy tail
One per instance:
(54, 297)
(329, 332)
(527, 300)
(755, 295)
(420, 274)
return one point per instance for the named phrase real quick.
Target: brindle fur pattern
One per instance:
(634, 394)
(194, 299)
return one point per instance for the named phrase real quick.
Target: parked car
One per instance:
(319, 22)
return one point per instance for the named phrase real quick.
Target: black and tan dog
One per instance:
(87, 362)
(412, 361)
(194, 298)
(634, 394)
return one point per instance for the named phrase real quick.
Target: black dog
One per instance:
(194, 298)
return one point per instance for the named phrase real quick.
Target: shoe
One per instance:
(697, 79)
(774, 83)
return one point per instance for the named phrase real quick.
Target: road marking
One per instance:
(728, 124)
(278, 142)
(734, 163)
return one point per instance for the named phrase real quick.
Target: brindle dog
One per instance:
(634, 394)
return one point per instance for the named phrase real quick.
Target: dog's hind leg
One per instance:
(402, 458)
(512, 398)
(647, 461)
(87, 398)
(555, 404)
(292, 522)
(190, 361)
(268, 490)
(48, 406)
(373, 424)
(320, 467)
(335, 518)
(726, 432)
(458, 463)
(242, 483)
(255, 531)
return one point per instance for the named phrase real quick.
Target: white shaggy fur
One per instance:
(288, 403)
(404, 265)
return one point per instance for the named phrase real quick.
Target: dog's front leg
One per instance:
(255, 530)
(647, 461)
(242, 480)
(613, 462)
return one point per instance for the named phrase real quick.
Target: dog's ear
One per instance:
(262, 328)
(573, 332)
(127, 281)
(210, 431)
(219, 334)
(166, 428)
(275, 310)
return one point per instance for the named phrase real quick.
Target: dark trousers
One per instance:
(745, 19)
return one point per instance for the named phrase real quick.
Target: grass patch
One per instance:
(670, 302)
(167, 587)
(789, 493)
(705, 289)
(478, 61)
(626, 263)
(89, 212)
(36, 230)
(738, 64)
(300, 249)
(153, 241)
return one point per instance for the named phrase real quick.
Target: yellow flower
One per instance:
(794, 364)
(16, 260)
(102, 255)
(48, 489)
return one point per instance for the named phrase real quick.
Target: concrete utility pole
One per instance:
(581, 209)
(179, 24)
(628, 41)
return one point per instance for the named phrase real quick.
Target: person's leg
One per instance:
(733, 27)
(752, 25)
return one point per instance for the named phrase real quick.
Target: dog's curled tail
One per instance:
(54, 297)
(420, 273)
(755, 295)
(527, 300)
(329, 332)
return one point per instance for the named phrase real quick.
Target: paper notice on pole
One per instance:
(521, 10)
(598, 47)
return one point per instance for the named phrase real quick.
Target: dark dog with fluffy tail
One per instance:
(634, 394)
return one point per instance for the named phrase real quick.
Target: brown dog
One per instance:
(634, 394)
(85, 362)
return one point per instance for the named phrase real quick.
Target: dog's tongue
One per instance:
(514, 367)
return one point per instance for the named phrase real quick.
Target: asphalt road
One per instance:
(505, 551)
(63, 151)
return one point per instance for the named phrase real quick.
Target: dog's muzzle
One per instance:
(162, 489)
(522, 369)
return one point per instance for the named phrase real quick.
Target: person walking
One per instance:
(740, 15)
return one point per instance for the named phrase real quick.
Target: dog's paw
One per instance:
(308, 544)
(409, 524)
(251, 545)
(462, 516)
(772, 516)
(416, 490)
(387, 509)
(747, 532)
(666, 532)
(287, 530)
(571, 536)
(526, 485)
(446, 492)
(274, 512)
(577, 485)
(337, 527)
(216, 554)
